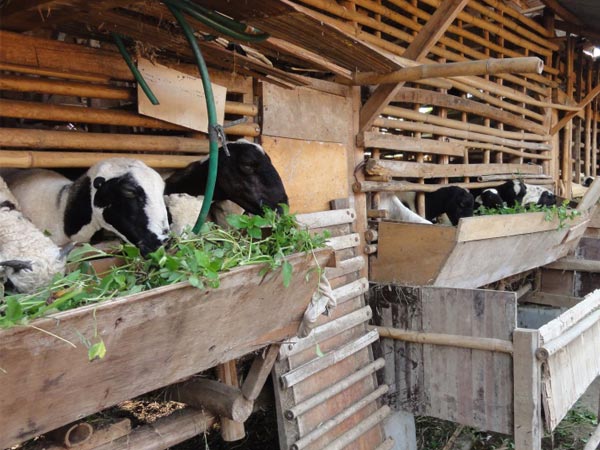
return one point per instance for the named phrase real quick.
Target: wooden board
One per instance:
(153, 339)
(410, 253)
(313, 173)
(292, 113)
(181, 97)
(569, 372)
(471, 387)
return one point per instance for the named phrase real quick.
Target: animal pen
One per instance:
(482, 323)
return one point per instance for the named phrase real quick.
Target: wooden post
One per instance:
(527, 390)
(259, 371)
(230, 430)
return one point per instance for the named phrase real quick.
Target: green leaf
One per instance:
(97, 351)
(318, 351)
(254, 232)
(14, 311)
(237, 221)
(286, 271)
(195, 281)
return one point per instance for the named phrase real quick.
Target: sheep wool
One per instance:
(21, 241)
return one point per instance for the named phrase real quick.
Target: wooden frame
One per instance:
(153, 339)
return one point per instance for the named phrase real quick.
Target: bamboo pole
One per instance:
(489, 66)
(449, 340)
(17, 68)
(180, 426)
(75, 140)
(41, 111)
(450, 123)
(72, 435)
(359, 429)
(406, 186)
(62, 87)
(25, 159)
(434, 129)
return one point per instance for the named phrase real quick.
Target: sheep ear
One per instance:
(17, 265)
(98, 182)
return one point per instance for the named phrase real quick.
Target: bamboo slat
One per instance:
(48, 72)
(74, 140)
(500, 148)
(482, 67)
(25, 159)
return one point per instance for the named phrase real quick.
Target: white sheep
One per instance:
(121, 195)
(184, 210)
(28, 258)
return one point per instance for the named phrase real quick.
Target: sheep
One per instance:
(28, 259)
(245, 177)
(184, 209)
(587, 181)
(453, 201)
(538, 195)
(121, 195)
(397, 210)
(512, 192)
(488, 198)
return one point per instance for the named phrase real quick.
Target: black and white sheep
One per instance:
(121, 195)
(490, 198)
(538, 195)
(28, 259)
(512, 192)
(245, 177)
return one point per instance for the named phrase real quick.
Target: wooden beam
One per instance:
(568, 116)
(562, 11)
(481, 67)
(433, 30)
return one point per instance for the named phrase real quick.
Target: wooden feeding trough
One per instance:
(153, 339)
(469, 355)
(480, 250)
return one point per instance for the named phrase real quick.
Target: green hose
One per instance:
(134, 70)
(219, 22)
(226, 21)
(212, 117)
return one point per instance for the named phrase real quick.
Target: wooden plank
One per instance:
(580, 265)
(527, 391)
(345, 241)
(325, 331)
(399, 243)
(427, 170)
(424, 41)
(351, 290)
(327, 218)
(488, 227)
(291, 114)
(300, 373)
(471, 263)
(471, 387)
(309, 183)
(345, 267)
(555, 300)
(371, 139)
(64, 386)
(181, 97)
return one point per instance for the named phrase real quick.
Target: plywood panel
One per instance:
(472, 387)
(304, 113)
(313, 172)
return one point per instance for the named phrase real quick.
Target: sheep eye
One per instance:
(98, 182)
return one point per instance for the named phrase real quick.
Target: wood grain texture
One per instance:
(153, 339)
(309, 182)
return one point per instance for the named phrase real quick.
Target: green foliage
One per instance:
(561, 212)
(198, 259)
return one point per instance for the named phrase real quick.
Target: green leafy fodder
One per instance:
(198, 259)
(562, 212)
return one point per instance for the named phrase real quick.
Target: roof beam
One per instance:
(562, 11)
(429, 35)
(568, 116)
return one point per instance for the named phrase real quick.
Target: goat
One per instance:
(121, 195)
(453, 201)
(488, 198)
(539, 195)
(512, 192)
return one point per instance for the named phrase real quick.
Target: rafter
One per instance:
(418, 48)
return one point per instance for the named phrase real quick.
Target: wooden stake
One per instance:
(259, 371)
(230, 429)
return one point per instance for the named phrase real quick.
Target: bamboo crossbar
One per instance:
(359, 429)
(490, 66)
(407, 186)
(512, 176)
(449, 340)
(42, 111)
(553, 346)
(588, 98)
(462, 134)
(25, 159)
(456, 124)
(76, 140)
(472, 145)
(17, 68)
